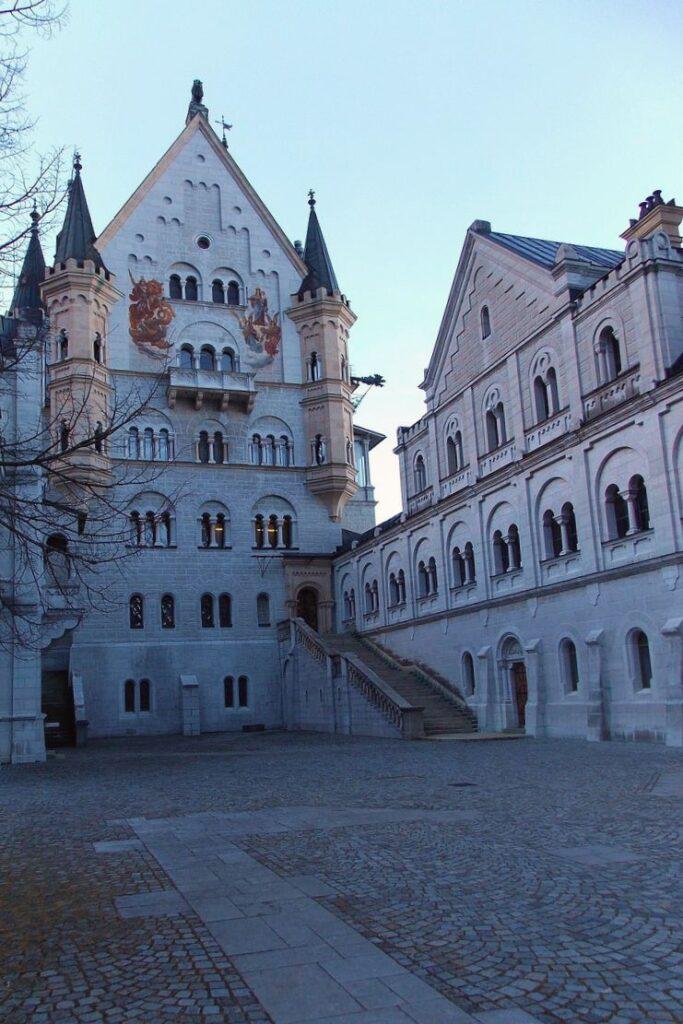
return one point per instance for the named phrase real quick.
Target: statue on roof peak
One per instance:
(196, 106)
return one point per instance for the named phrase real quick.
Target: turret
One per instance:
(79, 293)
(27, 303)
(323, 319)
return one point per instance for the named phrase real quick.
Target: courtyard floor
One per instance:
(290, 878)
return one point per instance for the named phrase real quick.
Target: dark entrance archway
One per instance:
(307, 606)
(57, 699)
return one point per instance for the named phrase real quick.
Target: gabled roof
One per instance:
(200, 124)
(76, 240)
(27, 292)
(543, 252)
(320, 270)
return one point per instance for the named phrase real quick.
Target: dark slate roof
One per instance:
(27, 292)
(317, 258)
(543, 252)
(77, 237)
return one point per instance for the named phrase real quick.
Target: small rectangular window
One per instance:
(242, 691)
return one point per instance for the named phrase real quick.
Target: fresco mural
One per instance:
(149, 316)
(261, 331)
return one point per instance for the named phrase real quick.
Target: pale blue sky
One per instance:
(410, 120)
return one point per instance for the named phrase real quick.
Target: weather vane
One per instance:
(226, 128)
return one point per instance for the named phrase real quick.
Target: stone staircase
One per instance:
(444, 710)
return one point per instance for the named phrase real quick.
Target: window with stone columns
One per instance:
(151, 443)
(543, 377)
(214, 526)
(207, 358)
(152, 522)
(560, 535)
(462, 564)
(137, 696)
(228, 360)
(627, 511)
(419, 474)
(217, 292)
(313, 367)
(608, 354)
(494, 420)
(62, 345)
(233, 293)
(175, 287)
(274, 525)
(186, 357)
(211, 446)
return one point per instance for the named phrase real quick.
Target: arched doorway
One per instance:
(56, 694)
(514, 667)
(307, 606)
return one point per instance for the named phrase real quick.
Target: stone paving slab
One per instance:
(118, 846)
(596, 855)
(162, 903)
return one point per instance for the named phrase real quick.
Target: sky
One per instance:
(550, 118)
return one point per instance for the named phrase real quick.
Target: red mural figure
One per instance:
(149, 315)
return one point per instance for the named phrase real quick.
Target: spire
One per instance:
(316, 257)
(76, 239)
(27, 292)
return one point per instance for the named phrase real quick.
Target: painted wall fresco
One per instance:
(149, 316)
(261, 331)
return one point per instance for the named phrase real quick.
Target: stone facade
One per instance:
(536, 563)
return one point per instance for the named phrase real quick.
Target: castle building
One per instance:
(185, 380)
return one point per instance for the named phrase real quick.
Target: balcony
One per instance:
(548, 430)
(419, 501)
(456, 482)
(215, 387)
(607, 396)
(498, 458)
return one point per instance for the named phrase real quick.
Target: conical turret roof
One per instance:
(76, 239)
(316, 257)
(27, 292)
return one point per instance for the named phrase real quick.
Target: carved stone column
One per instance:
(597, 702)
(536, 695)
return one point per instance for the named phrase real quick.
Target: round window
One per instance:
(203, 242)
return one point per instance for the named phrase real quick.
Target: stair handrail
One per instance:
(407, 717)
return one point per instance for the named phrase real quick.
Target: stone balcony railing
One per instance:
(548, 430)
(456, 482)
(215, 386)
(422, 500)
(607, 396)
(498, 458)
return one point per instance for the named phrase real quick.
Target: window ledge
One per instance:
(428, 598)
(511, 573)
(152, 547)
(561, 558)
(456, 588)
(272, 551)
(396, 607)
(613, 541)
(214, 547)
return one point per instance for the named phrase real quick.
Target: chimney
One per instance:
(656, 215)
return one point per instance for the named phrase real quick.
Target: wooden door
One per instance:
(520, 691)
(307, 607)
(58, 707)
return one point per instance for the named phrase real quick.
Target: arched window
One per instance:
(569, 520)
(422, 580)
(164, 446)
(552, 535)
(217, 291)
(225, 611)
(229, 692)
(352, 601)
(135, 529)
(233, 293)
(167, 612)
(470, 568)
(206, 608)
(367, 590)
(284, 451)
(496, 433)
(263, 610)
(393, 590)
(133, 443)
(203, 446)
(165, 529)
(259, 531)
(314, 367)
(186, 358)
(243, 691)
(485, 322)
(419, 474)
(256, 450)
(175, 287)
(136, 611)
(609, 355)
(347, 606)
(342, 367)
(287, 531)
(98, 438)
(149, 529)
(129, 696)
(638, 491)
(501, 559)
(451, 456)
(97, 347)
(207, 358)
(145, 695)
(269, 450)
(319, 450)
(227, 360)
(541, 400)
(206, 530)
(569, 665)
(219, 447)
(616, 511)
(191, 289)
(62, 345)
(148, 444)
(552, 392)
(468, 680)
(375, 596)
(401, 581)
(458, 562)
(641, 660)
(220, 531)
(273, 525)
(433, 579)
(514, 547)
(64, 436)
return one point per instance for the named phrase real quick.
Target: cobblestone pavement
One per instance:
(554, 891)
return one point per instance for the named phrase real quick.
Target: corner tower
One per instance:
(79, 293)
(323, 318)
